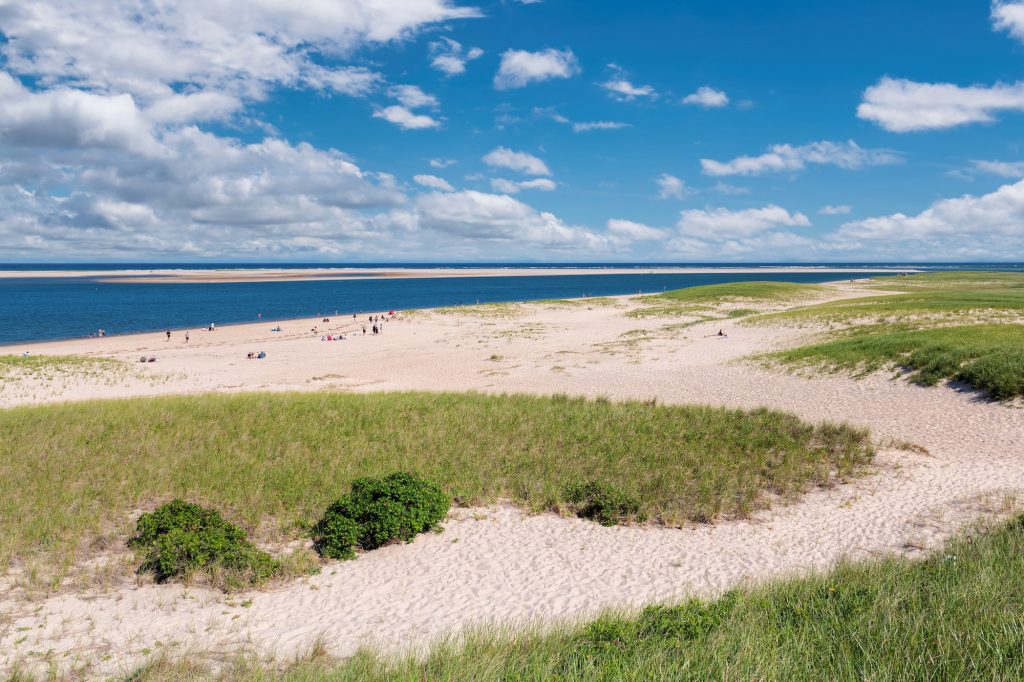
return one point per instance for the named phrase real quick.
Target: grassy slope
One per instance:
(71, 472)
(950, 280)
(917, 308)
(704, 299)
(957, 615)
(988, 357)
(931, 330)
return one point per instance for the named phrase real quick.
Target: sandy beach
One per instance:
(199, 276)
(497, 565)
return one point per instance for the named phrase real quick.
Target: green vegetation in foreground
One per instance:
(956, 615)
(179, 539)
(988, 357)
(378, 511)
(702, 300)
(72, 473)
(605, 503)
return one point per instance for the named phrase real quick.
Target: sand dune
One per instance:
(495, 564)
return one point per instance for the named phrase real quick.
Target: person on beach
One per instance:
(186, 336)
(168, 334)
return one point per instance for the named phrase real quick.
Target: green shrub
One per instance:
(180, 538)
(335, 536)
(378, 511)
(605, 503)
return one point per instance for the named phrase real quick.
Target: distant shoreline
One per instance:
(243, 275)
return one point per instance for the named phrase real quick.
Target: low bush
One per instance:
(378, 511)
(179, 539)
(606, 503)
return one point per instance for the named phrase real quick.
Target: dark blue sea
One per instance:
(34, 309)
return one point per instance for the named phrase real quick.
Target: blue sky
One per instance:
(548, 130)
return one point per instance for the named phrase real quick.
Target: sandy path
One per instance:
(495, 565)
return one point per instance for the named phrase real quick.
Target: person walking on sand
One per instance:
(186, 336)
(168, 334)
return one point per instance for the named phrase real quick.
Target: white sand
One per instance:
(505, 568)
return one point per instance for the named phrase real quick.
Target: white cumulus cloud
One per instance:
(587, 126)
(997, 215)
(449, 56)
(1006, 169)
(707, 97)
(513, 187)
(722, 223)
(519, 68)
(635, 232)
(405, 119)
(522, 162)
(433, 182)
(412, 97)
(232, 47)
(1009, 16)
(902, 106)
(66, 117)
(498, 217)
(671, 187)
(841, 209)
(784, 157)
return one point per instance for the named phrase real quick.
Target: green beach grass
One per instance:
(987, 357)
(966, 327)
(72, 474)
(934, 281)
(956, 615)
(12, 366)
(921, 308)
(707, 299)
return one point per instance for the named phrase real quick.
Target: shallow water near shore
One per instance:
(38, 309)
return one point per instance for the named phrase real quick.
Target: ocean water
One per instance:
(33, 309)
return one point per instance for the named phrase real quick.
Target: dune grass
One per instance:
(936, 281)
(584, 302)
(73, 473)
(484, 310)
(916, 309)
(708, 298)
(30, 365)
(960, 326)
(987, 357)
(956, 615)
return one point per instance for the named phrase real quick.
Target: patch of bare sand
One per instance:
(497, 565)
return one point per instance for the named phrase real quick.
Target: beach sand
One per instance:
(496, 565)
